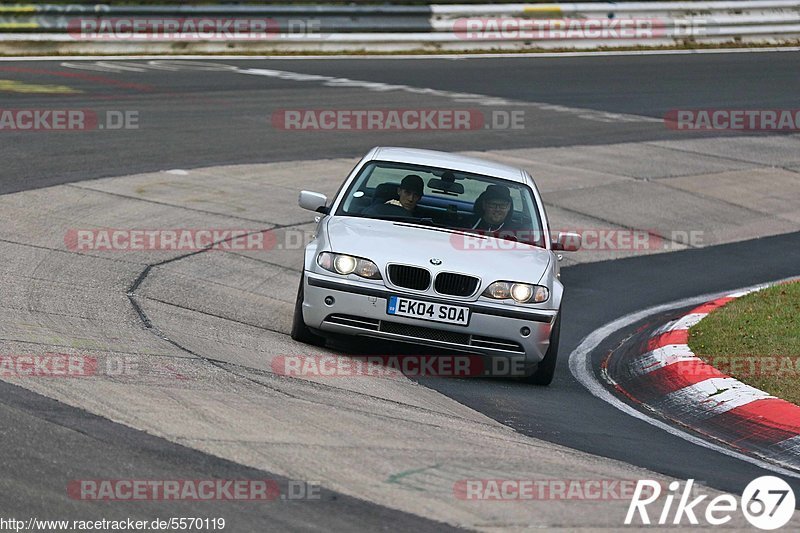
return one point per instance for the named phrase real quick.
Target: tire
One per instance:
(547, 368)
(301, 332)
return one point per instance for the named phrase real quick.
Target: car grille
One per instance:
(410, 277)
(412, 332)
(420, 332)
(455, 284)
(354, 321)
(497, 344)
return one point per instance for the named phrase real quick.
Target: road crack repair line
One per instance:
(243, 373)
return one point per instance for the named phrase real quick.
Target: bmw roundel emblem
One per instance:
(435, 261)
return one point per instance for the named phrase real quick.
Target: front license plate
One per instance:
(449, 314)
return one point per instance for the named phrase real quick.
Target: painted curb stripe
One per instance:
(774, 413)
(791, 446)
(748, 291)
(687, 321)
(711, 306)
(687, 373)
(660, 383)
(758, 424)
(543, 8)
(661, 357)
(19, 25)
(680, 336)
(707, 398)
(28, 8)
(670, 379)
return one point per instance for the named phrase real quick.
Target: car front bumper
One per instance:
(360, 309)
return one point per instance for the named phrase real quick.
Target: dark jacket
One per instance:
(389, 209)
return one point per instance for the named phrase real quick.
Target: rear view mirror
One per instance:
(313, 201)
(447, 187)
(567, 241)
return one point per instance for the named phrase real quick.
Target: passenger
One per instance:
(493, 208)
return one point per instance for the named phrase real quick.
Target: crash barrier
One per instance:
(332, 18)
(210, 28)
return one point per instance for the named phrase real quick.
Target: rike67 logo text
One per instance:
(767, 503)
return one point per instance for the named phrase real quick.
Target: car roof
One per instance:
(448, 160)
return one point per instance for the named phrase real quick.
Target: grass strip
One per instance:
(756, 339)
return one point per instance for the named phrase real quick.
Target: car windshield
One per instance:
(449, 199)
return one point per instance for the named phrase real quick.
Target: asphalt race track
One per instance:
(193, 118)
(627, 286)
(199, 114)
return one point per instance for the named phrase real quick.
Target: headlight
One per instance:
(367, 269)
(344, 264)
(520, 292)
(347, 264)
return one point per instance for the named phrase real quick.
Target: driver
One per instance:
(409, 193)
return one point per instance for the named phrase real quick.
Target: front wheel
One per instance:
(301, 332)
(547, 367)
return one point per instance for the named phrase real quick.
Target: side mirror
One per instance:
(567, 241)
(313, 201)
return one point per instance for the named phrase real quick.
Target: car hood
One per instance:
(385, 241)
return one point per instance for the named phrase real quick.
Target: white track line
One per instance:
(480, 99)
(580, 365)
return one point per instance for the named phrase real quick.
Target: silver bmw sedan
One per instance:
(436, 249)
